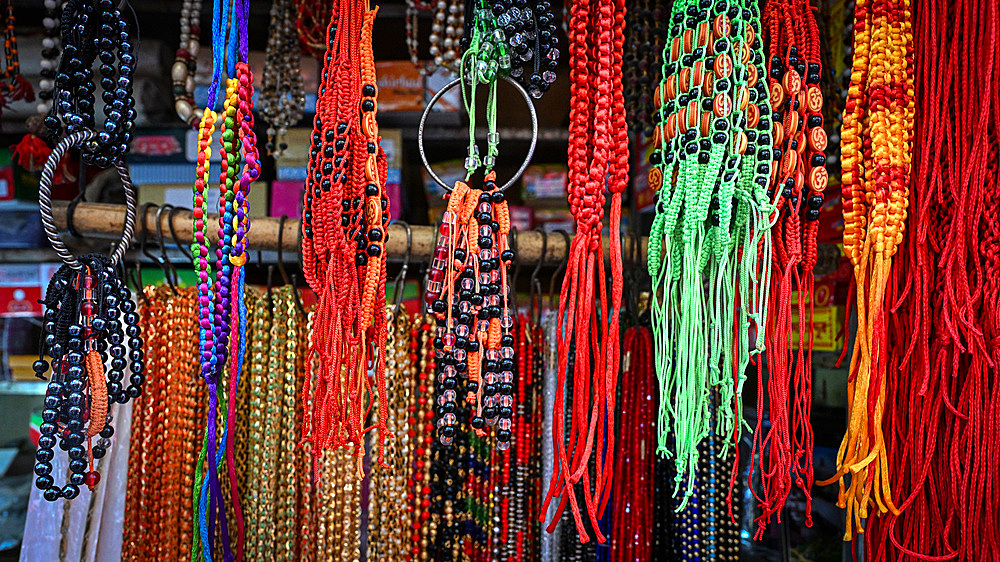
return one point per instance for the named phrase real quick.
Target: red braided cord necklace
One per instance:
(345, 222)
(598, 152)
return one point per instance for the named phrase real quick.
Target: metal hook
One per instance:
(517, 269)
(562, 267)
(534, 285)
(185, 250)
(169, 271)
(397, 290)
(289, 280)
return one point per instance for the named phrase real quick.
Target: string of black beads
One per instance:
(93, 31)
(643, 61)
(530, 31)
(86, 310)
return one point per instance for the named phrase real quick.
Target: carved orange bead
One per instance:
(655, 178)
(688, 40)
(723, 65)
(751, 34)
(789, 160)
(777, 95)
(697, 73)
(752, 75)
(741, 143)
(792, 82)
(682, 121)
(707, 83)
(684, 80)
(694, 114)
(814, 99)
(722, 105)
(742, 98)
(778, 132)
(671, 85)
(819, 178)
(706, 124)
(703, 31)
(817, 139)
(721, 26)
(671, 127)
(793, 124)
(753, 115)
(675, 49)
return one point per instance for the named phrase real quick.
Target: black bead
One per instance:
(44, 483)
(477, 422)
(367, 105)
(368, 90)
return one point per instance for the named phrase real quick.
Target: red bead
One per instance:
(87, 308)
(93, 477)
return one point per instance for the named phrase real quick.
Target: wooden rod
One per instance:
(100, 220)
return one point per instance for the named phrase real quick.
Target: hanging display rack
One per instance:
(104, 221)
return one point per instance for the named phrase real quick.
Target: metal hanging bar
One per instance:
(104, 221)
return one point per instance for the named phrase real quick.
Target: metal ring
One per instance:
(45, 201)
(452, 84)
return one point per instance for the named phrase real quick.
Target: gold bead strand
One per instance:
(287, 473)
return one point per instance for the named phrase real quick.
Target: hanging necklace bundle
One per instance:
(530, 31)
(709, 251)
(645, 33)
(222, 309)
(182, 72)
(164, 440)
(876, 161)
(598, 149)
(633, 494)
(32, 151)
(93, 31)
(797, 184)
(390, 520)
(941, 446)
(14, 86)
(89, 317)
(282, 98)
(467, 285)
(413, 10)
(344, 229)
(446, 33)
(524, 535)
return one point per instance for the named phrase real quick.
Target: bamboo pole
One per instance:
(99, 220)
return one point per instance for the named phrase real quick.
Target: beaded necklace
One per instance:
(632, 496)
(32, 151)
(798, 170)
(311, 23)
(447, 33)
(712, 222)
(163, 442)
(15, 86)
(345, 223)
(93, 30)
(876, 165)
(282, 98)
(598, 153)
(467, 286)
(389, 517)
(421, 423)
(645, 32)
(185, 65)
(222, 308)
(530, 31)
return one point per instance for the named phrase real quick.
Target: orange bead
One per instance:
(751, 34)
(819, 178)
(793, 124)
(703, 34)
(707, 83)
(697, 73)
(792, 82)
(753, 115)
(817, 139)
(675, 49)
(742, 98)
(814, 99)
(789, 160)
(752, 75)
(682, 122)
(778, 132)
(671, 85)
(670, 129)
(741, 143)
(721, 26)
(722, 105)
(694, 114)
(706, 124)
(777, 95)
(684, 80)
(688, 40)
(723, 65)
(655, 178)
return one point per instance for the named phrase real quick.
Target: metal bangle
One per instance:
(452, 84)
(45, 201)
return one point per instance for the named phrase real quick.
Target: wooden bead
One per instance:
(670, 128)
(703, 34)
(776, 95)
(723, 65)
(741, 143)
(698, 73)
(655, 178)
(688, 41)
(753, 115)
(657, 93)
(819, 178)
(707, 84)
(183, 109)
(751, 35)
(706, 124)
(789, 160)
(675, 49)
(793, 124)
(792, 82)
(722, 105)
(752, 75)
(684, 79)
(178, 72)
(817, 139)
(778, 132)
(694, 114)
(721, 26)
(814, 99)
(742, 98)
(682, 121)
(671, 85)
(745, 52)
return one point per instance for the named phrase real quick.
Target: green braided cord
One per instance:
(469, 102)
(196, 551)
